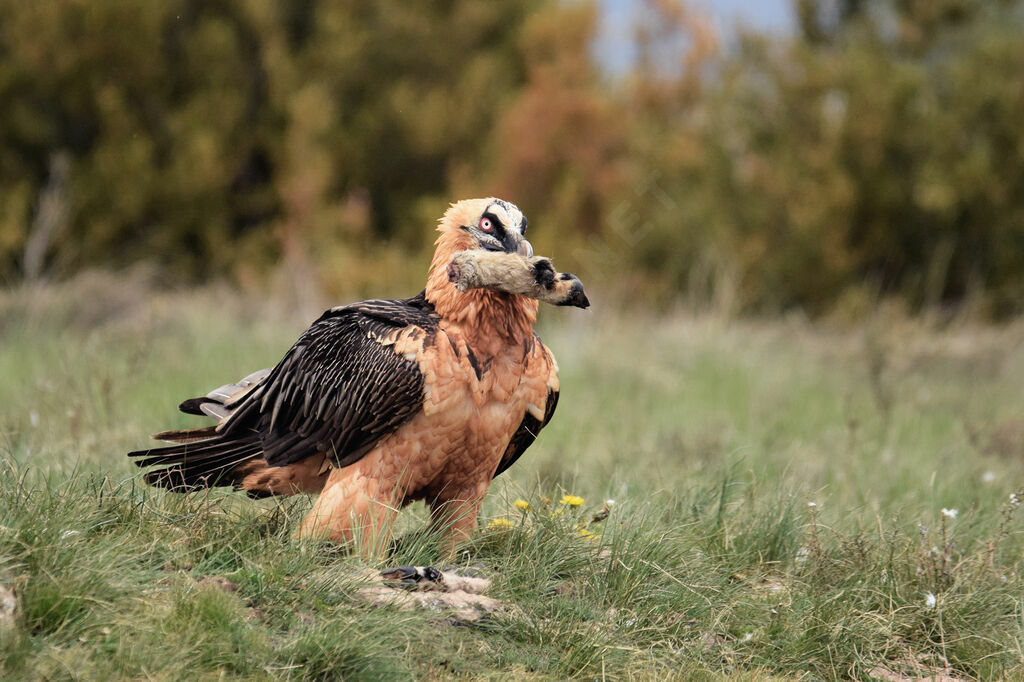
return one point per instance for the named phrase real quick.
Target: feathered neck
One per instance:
(490, 320)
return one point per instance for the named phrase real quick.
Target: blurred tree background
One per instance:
(876, 151)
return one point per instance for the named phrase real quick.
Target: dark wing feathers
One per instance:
(527, 433)
(340, 388)
(192, 405)
(199, 465)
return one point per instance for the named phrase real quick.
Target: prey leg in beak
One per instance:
(513, 273)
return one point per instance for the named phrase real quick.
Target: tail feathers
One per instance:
(195, 405)
(192, 452)
(187, 435)
(199, 464)
(218, 402)
(205, 407)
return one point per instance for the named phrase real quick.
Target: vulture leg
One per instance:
(357, 509)
(454, 518)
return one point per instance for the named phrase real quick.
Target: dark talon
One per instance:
(412, 575)
(402, 573)
(544, 273)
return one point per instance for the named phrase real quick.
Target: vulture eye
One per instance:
(485, 224)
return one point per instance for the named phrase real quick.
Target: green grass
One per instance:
(711, 436)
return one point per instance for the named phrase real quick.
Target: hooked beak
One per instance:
(525, 249)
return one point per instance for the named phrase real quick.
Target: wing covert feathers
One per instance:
(348, 381)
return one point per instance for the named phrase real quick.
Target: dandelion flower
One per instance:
(500, 522)
(930, 601)
(521, 505)
(586, 534)
(949, 513)
(571, 500)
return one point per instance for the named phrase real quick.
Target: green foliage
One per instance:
(215, 135)
(877, 152)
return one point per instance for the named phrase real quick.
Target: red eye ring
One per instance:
(485, 224)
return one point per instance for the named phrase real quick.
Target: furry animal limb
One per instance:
(512, 273)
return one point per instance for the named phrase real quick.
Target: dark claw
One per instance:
(412, 575)
(402, 573)
(544, 274)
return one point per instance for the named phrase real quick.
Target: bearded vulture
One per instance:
(385, 402)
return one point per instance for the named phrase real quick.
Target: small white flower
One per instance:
(812, 505)
(802, 555)
(929, 600)
(988, 477)
(747, 637)
(609, 503)
(949, 513)
(1014, 500)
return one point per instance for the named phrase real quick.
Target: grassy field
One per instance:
(778, 490)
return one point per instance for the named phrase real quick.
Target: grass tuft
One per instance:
(778, 513)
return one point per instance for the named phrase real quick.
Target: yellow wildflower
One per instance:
(521, 505)
(500, 522)
(586, 534)
(571, 500)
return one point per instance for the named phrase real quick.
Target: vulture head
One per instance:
(483, 247)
